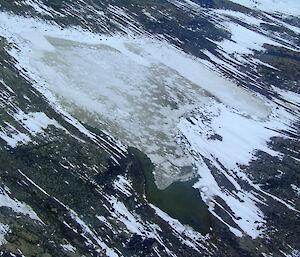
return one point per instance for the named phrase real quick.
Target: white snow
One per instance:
(296, 189)
(14, 137)
(134, 223)
(247, 216)
(185, 233)
(4, 229)
(284, 202)
(17, 206)
(36, 6)
(123, 185)
(247, 18)
(33, 122)
(288, 7)
(289, 96)
(102, 218)
(131, 222)
(243, 40)
(240, 136)
(283, 23)
(87, 231)
(7, 87)
(150, 16)
(36, 122)
(68, 248)
(34, 184)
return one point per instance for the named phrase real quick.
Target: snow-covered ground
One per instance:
(288, 7)
(3, 231)
(34, 123)
(16, 206)
(158, 99)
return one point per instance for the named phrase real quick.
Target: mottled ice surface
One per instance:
(137, 91)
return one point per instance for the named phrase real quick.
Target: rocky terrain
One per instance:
(149, 128)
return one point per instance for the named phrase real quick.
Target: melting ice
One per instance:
(137, 91)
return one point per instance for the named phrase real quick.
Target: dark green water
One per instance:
(180, 200)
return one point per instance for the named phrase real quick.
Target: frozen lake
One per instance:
(137, 91)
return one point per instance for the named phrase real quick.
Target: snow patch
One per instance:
(38, 6)
(13, 137)
(228, 139)
(185, 233)
(296, 189)
(17, 206)
(4, 229)
(36, 122)
(246, 18)
(214, 130)
(88, 231)
(243, 40)
(33, 123)
(68, 248)
(123, 185)
(288, 7)
(130, 221)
